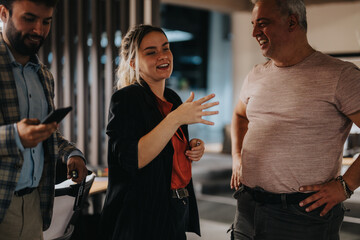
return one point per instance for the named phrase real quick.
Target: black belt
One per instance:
(180, 193)
(263, 196)
(24, 191)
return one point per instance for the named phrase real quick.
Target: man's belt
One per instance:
(24, 191)
(263, 196)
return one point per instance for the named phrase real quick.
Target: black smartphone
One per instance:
(57, 115)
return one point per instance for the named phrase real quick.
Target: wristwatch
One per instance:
(346, 188)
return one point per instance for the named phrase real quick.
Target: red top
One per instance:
(181, 170)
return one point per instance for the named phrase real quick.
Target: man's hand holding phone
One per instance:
(57, 115)
(31, 131)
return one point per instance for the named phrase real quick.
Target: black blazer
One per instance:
(137, 204)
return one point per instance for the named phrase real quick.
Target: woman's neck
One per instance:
(157, 88)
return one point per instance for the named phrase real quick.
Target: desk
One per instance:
(348, 161)
(99, 185)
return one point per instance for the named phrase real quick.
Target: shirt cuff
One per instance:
(17, 139)
(77, 153)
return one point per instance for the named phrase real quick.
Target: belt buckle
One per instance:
(177, 194)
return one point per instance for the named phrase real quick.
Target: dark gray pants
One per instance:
(259, 221)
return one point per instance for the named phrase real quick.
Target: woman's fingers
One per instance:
(208, 113)
(191, 98)
(206, 122)
(209, 105)
(205, 99)
(191, 111)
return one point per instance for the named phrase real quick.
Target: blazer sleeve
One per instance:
(8, 147)
(125, 128)
(66, 147)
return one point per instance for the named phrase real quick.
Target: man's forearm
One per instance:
(352, 176)
(239, 127)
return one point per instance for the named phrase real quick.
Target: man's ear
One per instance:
(293, 22)
(3, 13)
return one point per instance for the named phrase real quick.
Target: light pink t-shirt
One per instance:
(297, 122)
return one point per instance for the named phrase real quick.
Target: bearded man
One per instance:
(28, 149)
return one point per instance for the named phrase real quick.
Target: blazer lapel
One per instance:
(8, 95)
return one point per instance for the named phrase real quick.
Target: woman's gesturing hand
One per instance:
(192, 111)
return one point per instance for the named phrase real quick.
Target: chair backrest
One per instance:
(66, 196)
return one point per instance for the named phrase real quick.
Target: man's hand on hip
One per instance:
(328, 194)
(236, 173)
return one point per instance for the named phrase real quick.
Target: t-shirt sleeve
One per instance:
(348, 90)
(244, 92)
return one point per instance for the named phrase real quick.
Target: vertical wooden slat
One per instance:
(124, 16)
(56, 67)
(109, 65)
(136, 12)
(82, 82)
(139, 11)
(95, 85)
(152, 12)
(110, 55)
(148, 12)
(155, 10)
(68, 91)
(133, 12)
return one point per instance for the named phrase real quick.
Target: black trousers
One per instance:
(180, 218)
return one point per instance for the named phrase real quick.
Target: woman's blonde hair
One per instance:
(130, 44)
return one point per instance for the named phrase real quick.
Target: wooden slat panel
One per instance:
(155, 13)
(109, 65)
(136, 12)
(90, 116)
(110, 55)
(132, 12)
(139, 11)
(82, 79)
(147, 11)
(95, 85)
(124, 16)
(56, 44)
(68, 90)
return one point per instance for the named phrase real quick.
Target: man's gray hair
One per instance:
(288, 7)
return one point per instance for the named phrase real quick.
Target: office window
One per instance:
(187, 30)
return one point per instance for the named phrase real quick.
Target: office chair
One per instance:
(69, 198)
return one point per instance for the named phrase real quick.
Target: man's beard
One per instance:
(17, 41)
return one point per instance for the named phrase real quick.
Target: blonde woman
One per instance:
(150, 193)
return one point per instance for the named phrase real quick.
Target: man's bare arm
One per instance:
(352, 176)
(239, 126)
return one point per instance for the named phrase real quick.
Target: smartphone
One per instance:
(57, 115)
